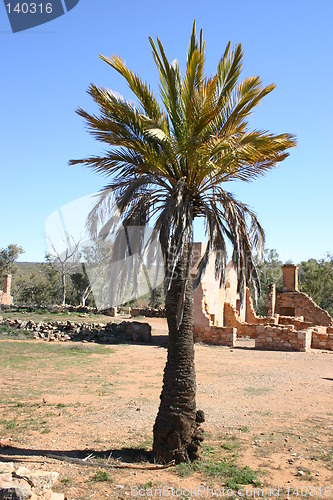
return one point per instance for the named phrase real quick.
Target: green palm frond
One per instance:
(142, 91)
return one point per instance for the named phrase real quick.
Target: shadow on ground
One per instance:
(124, 455)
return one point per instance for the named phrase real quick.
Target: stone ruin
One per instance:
(293, 321)
(19, 482)
(63, 331)
(5, 297)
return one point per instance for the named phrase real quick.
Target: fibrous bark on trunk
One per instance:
(177, 432)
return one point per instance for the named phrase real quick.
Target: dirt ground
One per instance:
(277, 407)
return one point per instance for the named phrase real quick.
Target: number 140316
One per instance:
(29, 8)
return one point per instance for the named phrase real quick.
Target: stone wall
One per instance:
(298, 323)
(271, 300)
(232, 296)
(148, 312)
(322, 338)
(292, 323)
(231, 316)
(63, 331)
(202, 318)
(208, 296)
(279, 338)
(248, 328)
(296, 303)
(251, 316)
(216, 335)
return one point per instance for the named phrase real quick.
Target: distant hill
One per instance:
(28, 267)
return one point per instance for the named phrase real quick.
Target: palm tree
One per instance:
(167, 164)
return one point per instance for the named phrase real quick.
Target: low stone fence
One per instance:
(216, 335)
(62, 331)
(51, 308)
(147, 312)
(322, 338)
(298, 335)
(280, 338)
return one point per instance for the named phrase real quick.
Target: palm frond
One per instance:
(142, 91)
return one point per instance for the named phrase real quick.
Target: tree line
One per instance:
(62, 278)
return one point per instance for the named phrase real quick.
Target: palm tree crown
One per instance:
(168, 163)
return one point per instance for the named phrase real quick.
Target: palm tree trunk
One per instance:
(177, 432)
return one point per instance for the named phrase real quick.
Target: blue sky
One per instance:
(46, 71)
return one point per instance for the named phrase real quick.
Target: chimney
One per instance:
(7, 281)
(198, 250)
(290, 278)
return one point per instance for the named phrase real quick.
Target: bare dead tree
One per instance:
(66, 260)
